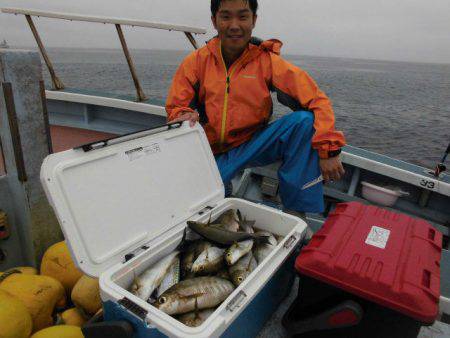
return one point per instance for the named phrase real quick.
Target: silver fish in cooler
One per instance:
(195, 318)
(228, 220)
(262, 250)
(172, 277)
(238, 250)
(194, 294)
(194, 249)
(216, 233)
(242, 269)
(144, 284)
(209, 261)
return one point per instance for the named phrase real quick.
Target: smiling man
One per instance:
(227, 85)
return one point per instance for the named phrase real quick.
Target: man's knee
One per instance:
(303, 119)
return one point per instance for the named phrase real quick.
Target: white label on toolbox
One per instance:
(136, 153)
(378, 237)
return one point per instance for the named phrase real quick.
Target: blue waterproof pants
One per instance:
(288, 140)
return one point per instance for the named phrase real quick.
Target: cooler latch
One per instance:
(236, 301)
(127, 137)
(206, 209)
(290, 242)
(133, 307)
(133, 254)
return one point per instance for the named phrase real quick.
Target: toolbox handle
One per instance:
(431, 284)
(328, 319)
(127, 137)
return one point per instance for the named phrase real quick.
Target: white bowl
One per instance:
(386, 196)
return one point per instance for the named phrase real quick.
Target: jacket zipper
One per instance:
(227, 92)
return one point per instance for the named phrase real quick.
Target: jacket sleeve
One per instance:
(297, 90)
(184, 88)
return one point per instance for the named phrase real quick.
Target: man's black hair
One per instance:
(215, 4)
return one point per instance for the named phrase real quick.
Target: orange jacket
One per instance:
(235, 103)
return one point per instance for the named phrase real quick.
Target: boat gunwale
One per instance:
(103, 19)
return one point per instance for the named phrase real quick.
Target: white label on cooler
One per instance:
(139, 152)
(378, 237)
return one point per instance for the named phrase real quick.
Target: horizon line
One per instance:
(286, 54)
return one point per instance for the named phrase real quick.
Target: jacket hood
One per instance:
(272, 45)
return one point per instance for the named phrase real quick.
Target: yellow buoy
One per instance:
(15, 320)
(27, 270)
(86, 295)
(58, 263)
(72, 317)
(59, 331)
(39, 294)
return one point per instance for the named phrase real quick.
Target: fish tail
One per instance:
(239, 215)
(263, 239)
(196, 309)
(182, 245)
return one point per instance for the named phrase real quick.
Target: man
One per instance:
(226, 86)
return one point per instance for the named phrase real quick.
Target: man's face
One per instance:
(234, 21)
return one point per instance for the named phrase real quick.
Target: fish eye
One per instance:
(240, 279)
(162, 300)
(228, 254)
(201, 268)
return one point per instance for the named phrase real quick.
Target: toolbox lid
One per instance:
(388, 258)
(114, 197)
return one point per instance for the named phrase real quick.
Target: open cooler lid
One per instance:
(115, 196)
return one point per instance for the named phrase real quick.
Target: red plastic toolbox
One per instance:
(388, 258)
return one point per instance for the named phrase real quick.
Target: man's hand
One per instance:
(192, 117)
(331, 168)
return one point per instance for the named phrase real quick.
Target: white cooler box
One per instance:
(123, 205)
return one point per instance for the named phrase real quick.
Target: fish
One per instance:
(209, 261)
(242, 269)
(217, 234)
(172, 277)
(144, 285)
(261, 251)
(279, 238)
(246, 226)
(194, 249)
(270, 237)
(223, 274)
(228, 220)
(238, 250)
(195, 318)
(194, 294)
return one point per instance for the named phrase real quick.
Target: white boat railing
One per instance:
(118, 22)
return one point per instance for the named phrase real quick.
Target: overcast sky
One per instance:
(405, 30)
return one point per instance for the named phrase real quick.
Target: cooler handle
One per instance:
(127, 137)
(114, 329)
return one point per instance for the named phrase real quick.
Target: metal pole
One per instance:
(14, 129)
(140, 93)
(191, 39)
(45, 115)
(57, 83)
